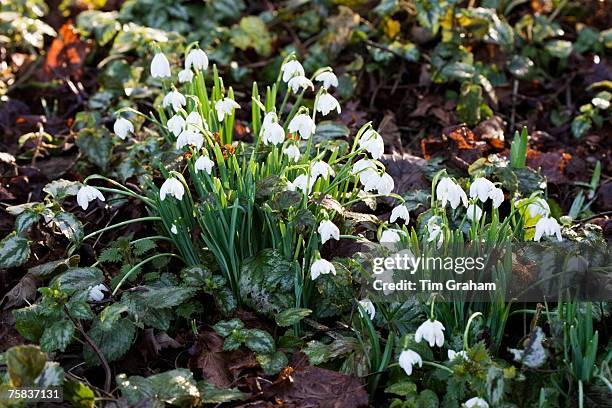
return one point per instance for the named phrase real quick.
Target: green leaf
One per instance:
(79, 278)
(96, 144)
(213, 395)
(291, 316)
(70, 226)
(259, 341)
(402, 388)
(111, 254)
(113, 343)
(57, 336)
(559, 48)
(49, 269)
(328, 130)
(195, 276)
(24, 364)
(520, 66)
(163, 298)
(14, 251)
(29, 322)
(60, 189)
(51, 376)
(79, 309)
(226, 327)
(142, 247)
(79, 394)
(25, 220)
(233, 341)
(252, 32)
(580, 125)
(272, 363)
(175, 387)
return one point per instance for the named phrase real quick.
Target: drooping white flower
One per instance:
(176, 124)
(320, 168)
(452, 354)
(160, 67)
(401, 211)
(224, 107)
(497, 197)
(122, 127)
(539, 206)
(291, 69)
(298, 82)
(481, 188)
(327, 103)
(96, 293)
(185, 75)
(204, 164)
(432, 331)
(384, 184)
(173, 229)
(195, 121)
(301, 182)
(328, 78)
(328, 230)
(449, 191)
(174, 98)
(368, 307)
(366, 172)
(474, 212)
(391, 236)
(293, 153)
(547, 227)
(86, 194)
(173, 187)
(601, 103)
(373, 143)
(321, 267)
(196, 59)
(476, 403)
(189, 137)
(434, 231)
(302, 124)
(408, 359)
(272, 132)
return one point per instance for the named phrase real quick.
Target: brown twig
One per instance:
(94, 347)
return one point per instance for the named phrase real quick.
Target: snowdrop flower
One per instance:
(547, 226)
(185, 75)
(601, 103)
(328, 78)
(321, 267)
(176, 99)
(481, 188)
(224, 107)
(293, 153)
(449, 191)
(409, 358)
(173, 229)
(539, 206)
(320, 168)
(173, 187)
(298, 82)
(271, 131)
(160, 67)
(497, 197)
(452, 354)
(175, 124)
(435, 231)
(384, 184)
(328, 230)
(391, 236)
(476, 403)
(400, 212)
(196, 59)
(372, 142)
(96, 293)
(87, 194)
(302, 124)
(432, 331)
(474, 212)
(194, 121)
(290, 69)
(204, 164)
(368, 306)
(366, 173)
(327, 103)
(301, 183)
(122, 127)
(190, 137)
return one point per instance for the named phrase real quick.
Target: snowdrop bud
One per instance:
(190, 137)
(196, 59)
(174, 98)
(160, 67)
(361, 166)
(173, 229)
(301, 183)
(175, 124)
(400, 212)
(302, 124)
(225, 107)
(173, 187)
(373, 143)
(298, 82)
(391, 236)
(385, 184)
(476, 403)
(434, 231)
(320, 168)
(481, 188)
(474, 212)
(432, 331)
(601, 103)
(293, 153)
(328, 78)
(327, 103)
(290, 69)
(452, 354)
(185, 75)
(368, 306)
(547, 227)
(86, 194)
(408, 359)
(96, 293)
(497, 197)
(328, 230)
(122, 127)
(321, 267)
(204, 164)
(539, 206)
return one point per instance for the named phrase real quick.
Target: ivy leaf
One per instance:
(259, 341)
(291, 316)
(14, 251)
(272, 363)
(214, 395)
(113, 343)
(57, 336)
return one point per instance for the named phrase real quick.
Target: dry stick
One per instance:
(515, 86)
(94, 347)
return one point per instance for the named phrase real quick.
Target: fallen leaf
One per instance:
(66, 55)
(391, 134)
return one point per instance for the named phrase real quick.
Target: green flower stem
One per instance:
(127, 275)
(120, 224)
(126, 190)
(436, 365)
(466, 333)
